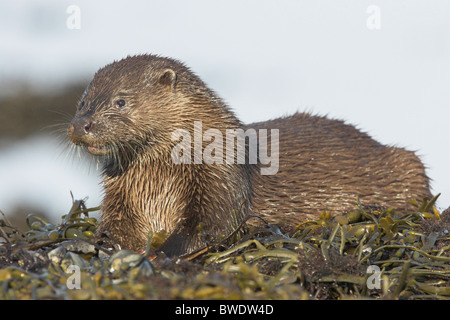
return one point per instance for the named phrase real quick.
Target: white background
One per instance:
(265, 58)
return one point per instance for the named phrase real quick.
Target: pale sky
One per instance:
(265, 58)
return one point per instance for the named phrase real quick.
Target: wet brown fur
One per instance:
(324, 164)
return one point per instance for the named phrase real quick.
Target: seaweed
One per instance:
(367, 253)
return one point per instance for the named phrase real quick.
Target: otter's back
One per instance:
(325, 164)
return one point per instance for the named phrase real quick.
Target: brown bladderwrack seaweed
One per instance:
(324, 258)
(128, 114)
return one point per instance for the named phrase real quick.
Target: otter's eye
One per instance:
(120, 102)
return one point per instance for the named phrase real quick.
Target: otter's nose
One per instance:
(80, 126)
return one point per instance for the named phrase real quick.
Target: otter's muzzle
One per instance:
(79, 127)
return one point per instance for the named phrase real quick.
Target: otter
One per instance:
(128, 115)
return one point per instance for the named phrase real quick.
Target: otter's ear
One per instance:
(168, 78)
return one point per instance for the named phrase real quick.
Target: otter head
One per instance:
(131, 105)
